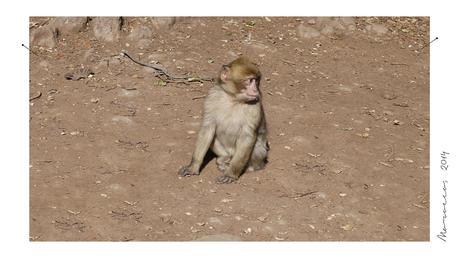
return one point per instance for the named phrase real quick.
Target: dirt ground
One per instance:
(348, 120)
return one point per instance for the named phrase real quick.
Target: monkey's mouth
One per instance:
(252, 99)
(252, 96)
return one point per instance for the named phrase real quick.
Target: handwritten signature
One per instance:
(443, 231)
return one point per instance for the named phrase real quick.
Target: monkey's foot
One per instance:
(222, 167)
(223, 163)
(186, 171)
(225, 179)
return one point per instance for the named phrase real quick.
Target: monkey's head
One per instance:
(241, 78)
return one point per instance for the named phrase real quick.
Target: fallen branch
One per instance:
(168, 77)
(199, 97)
(298, 195)
(37, 95)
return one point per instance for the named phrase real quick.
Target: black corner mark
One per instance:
(436, 38)
(433, 40)
(29, 49)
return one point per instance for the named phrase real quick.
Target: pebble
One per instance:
(347, 227)
(262, 218)
(247, 231)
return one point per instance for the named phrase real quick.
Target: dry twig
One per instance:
(165, 76)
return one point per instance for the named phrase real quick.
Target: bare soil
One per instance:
(348, 120)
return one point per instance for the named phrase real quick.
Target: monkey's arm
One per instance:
(244, 147)
(205, 137)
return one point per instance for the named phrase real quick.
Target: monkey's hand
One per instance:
(187, 171)
(225, 179)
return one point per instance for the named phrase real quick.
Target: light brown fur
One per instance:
(233, 127)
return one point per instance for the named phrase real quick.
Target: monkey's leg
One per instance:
(244, 146)
(223, 158)
(205, 137)
(259, 156)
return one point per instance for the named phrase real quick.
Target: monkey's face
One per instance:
(248, 89)
(241, 78)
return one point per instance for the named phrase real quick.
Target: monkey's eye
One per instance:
(249, 81)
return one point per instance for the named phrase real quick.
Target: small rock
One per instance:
(377, 28)
(388, 113)
(163, 22)
(404, 160)
(327, 30)
(262, 218)
(389, 95)
(307, 32)
(322, 21)
(95, 100)
(347, 227)
(195, 230)
(44, 36)
(311, 21)
(247, 231)
(140, 32)
(396, 122)
(347, 21)
(107, 28)
(69, 25)
(279, 238)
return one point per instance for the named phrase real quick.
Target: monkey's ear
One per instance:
(225, 72)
